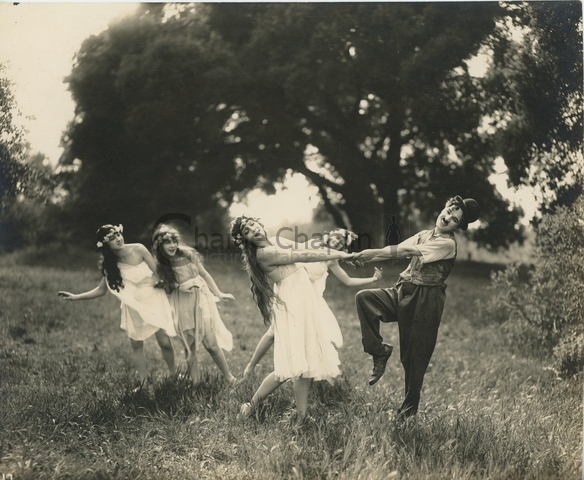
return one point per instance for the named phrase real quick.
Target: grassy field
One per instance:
(70, 409)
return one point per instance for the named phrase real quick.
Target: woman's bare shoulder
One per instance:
(136, 247)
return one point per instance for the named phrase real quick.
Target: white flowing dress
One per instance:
(196, 311)
(302, 346)
(145, 309)
(318, 273)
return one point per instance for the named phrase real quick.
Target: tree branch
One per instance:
(321, 183)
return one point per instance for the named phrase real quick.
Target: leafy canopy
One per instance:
(374, 103)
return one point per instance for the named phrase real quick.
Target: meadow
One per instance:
(70, 408)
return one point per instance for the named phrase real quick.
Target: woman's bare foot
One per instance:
(245, 411)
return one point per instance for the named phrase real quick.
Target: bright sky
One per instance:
(296, 200)
(37, 44)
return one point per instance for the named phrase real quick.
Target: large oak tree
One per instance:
(185, 109)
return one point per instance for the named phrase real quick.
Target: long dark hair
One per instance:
(261, 285)
(109, 263)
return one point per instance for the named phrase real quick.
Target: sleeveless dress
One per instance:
(302, 346)
(145, 309)
(196, 312)
(318, 274)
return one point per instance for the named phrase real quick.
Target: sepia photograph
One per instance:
(291, 240)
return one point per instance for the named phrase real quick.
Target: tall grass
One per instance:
(72, 406)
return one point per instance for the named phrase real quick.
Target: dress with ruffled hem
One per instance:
(195, 312)
(145, 309)
(302, 346)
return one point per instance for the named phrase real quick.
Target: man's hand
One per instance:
(365, 256)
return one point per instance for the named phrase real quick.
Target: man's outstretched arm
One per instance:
(386, 253)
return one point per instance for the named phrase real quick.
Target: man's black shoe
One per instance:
(379, 363)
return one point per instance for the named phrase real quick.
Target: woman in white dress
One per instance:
(286, 297)
(128, 273)
(193, 294)
(337, 239)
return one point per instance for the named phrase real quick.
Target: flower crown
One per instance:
(238, 237)
(165, 234)
(347, 235)
(112, 233)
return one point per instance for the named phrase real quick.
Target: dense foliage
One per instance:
(187, 107)
(13, 170)
(550, 299)
(26, 183)
(538, 80)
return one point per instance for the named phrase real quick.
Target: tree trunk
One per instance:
(390, 180)
(365, 215)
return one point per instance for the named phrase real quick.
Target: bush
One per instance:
(569, 355)
(30, 222)
(549, 298)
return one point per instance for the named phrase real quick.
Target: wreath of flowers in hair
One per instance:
(238, 237)
(111, 234)
(347, 235)
(165, 234)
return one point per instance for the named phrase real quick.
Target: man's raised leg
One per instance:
(375, 306)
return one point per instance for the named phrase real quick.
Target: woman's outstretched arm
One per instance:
(272, 256)
(98, 291)
(338, 272)
(212, 285)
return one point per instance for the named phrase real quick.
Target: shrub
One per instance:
(569, 355)
(549, 298)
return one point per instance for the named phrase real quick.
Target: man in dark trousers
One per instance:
(416, 301)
